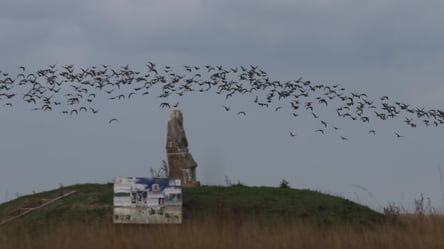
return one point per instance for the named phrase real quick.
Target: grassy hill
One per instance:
(93, 204)
(217, 217)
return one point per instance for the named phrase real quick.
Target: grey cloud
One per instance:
(380, 47)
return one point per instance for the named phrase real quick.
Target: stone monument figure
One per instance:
(181, 163)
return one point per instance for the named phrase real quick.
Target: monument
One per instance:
(181, 163)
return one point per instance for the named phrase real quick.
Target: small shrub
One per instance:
(423, 206)
(392, 211)
(229, 183)
(161, 172)
(284, 184)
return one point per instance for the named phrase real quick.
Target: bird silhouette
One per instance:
(112, 120)
(320, 130)
(398, 135)
(165, 105)
(94, 110)
(324, 123)
(70, 89)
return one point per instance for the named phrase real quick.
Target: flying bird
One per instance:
(94, 81)
(94, 110)
(398, 135)
(164, 105)
(112, 120)
(324, 123)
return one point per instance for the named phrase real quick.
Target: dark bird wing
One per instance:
(165, 104)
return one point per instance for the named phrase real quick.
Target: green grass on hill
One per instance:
(93, 203)
(274, 204)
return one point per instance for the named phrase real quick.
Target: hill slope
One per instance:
(93, 203)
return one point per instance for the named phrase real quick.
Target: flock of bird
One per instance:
(72, 91)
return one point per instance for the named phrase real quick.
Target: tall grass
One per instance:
(408, 231)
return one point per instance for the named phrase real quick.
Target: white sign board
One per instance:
(141, 200)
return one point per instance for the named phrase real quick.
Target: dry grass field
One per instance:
(222, 217)
(408, 231)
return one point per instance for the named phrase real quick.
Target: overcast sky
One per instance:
(381, 47)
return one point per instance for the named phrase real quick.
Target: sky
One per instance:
(382, 48)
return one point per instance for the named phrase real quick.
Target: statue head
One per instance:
(176, 114)
(176, 131)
